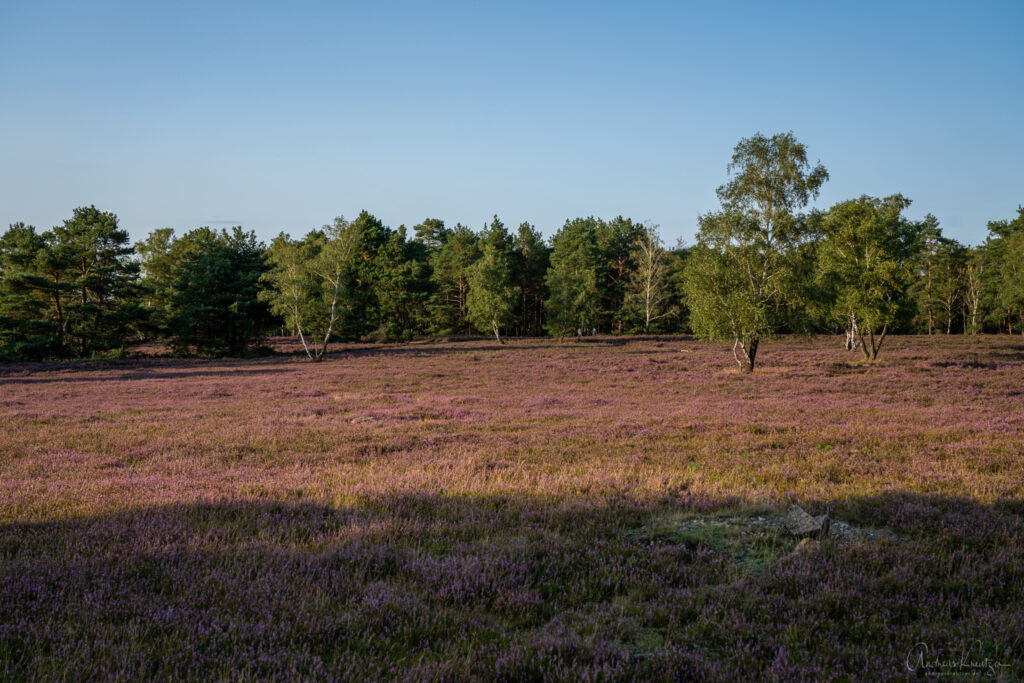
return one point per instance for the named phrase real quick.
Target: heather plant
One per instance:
(546, 511)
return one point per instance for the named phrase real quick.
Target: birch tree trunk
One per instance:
(852, 334)
(745, 354)
(872, 345)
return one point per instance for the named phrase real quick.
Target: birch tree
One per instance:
(647, 289)
(867, 256)
(492, 298)
(308, 280)
(740, 279)
(974, 271)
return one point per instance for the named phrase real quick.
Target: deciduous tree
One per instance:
(868, 255)
(740, 278)
(647, 288)
(307, 282)
(492, 297)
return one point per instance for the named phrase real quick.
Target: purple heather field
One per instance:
(543, 510)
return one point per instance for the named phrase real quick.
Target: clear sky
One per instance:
(280, 116)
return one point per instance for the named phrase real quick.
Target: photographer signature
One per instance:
(966, 664)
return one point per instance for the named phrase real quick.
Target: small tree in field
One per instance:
(740, 281)
(647, 289)
(308, 280)
(867, 256)
(492, 299)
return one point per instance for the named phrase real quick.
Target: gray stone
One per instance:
(802, 525)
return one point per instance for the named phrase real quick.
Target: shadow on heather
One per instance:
(284, 359)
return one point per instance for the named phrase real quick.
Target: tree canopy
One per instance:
(740, 280)
(762, 264)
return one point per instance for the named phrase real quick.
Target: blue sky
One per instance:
(280, 116)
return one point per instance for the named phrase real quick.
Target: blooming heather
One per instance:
(538, 511)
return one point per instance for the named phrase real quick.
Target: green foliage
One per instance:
(159, 260)
(1003, 265)
(772, 181)
(215, 305)
(574, 300)
(867, 257)
(401, 286)
(497, 237)
(26, 295)
(741, 281)
(492, 300)
(102, 277)
(308, 281)
(1011, 278)
(676, 261)
(69, 291)
(1008, 228)
(948, 276)
(759, 267)
(939, 282)
(974, 273)
(647, 292)
(450, 261)
(724, 303)
(616, 250)
(371, 236)
(531, 259)
(431, 233)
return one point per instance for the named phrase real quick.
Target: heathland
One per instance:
(591, 509)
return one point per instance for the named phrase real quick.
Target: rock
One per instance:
(825, 523)
(802, 525)
(806, 546)
(843, 533)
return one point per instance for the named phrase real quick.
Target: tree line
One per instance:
(761, 265)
